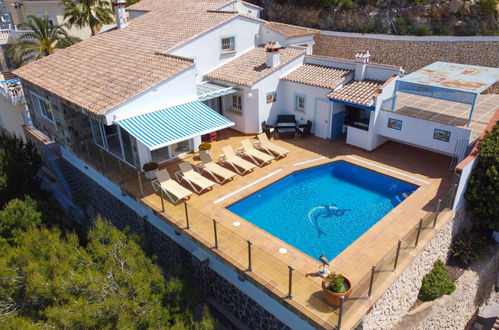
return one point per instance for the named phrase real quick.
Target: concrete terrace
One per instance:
(428, 170)
(449, 113)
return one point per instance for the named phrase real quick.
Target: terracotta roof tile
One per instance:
(250, 67)
(291, 31)
(102, 72)
(319, 75)
(358, 92)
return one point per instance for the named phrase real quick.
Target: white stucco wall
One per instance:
(11, 118)
(173, 91)
(459, 201)
(267, 34)
(243, 8)
(419, 132)
(206, 49)
(380, 72)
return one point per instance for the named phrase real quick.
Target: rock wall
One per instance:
(411, 53)
(454, 311)
(169, 254)
(402, 294)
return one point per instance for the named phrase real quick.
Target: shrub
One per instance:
(482, 194)
(436, 283)
(488, 6)
(423, 31)
(336, 283)
(402, 25)
(466, 248)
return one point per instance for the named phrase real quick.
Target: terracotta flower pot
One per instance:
(333, 298)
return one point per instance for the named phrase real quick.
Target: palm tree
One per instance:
(43, 39)
(93, 13)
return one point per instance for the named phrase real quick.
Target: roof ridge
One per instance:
(178, 57)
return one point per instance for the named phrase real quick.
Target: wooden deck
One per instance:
(428, 170)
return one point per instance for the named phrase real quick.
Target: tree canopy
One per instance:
(43, 39)
(92, 13)
(482, 194)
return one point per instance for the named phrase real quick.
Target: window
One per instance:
(97, 131)
(43, 107)
(300, 101)
(237, 104)
(357, 117)
(270, 97)
(228, 44)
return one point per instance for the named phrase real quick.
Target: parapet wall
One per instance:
(409, 52)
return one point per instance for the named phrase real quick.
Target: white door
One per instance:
(322, 118)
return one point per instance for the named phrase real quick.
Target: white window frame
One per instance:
(229, 47)
(297, 102)
(236, 103)
(41, 108)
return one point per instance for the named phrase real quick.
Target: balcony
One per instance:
(12, 90)
(8, 36)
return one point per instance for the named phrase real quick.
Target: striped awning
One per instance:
(209, 90)
(168, 126)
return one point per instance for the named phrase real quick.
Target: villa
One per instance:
(176, 73)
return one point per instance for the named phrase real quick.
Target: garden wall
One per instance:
(410, 52)
(403, 293)
(454, 311)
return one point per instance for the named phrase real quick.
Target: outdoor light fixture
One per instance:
(17, 4)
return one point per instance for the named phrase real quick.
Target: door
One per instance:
(322, 118)
(337, 125)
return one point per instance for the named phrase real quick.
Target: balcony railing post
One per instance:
(437, 209)
(186, 215)
(140, 183)
(215, 233)
(373, 269)
(162, 201)
(249, 256)
(290, 286)
(397, 255)
(419, 232)
(340, 313)
(87, 150)
(120, 165)
(102, 157)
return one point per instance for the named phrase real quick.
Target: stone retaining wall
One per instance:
(454, 311)
(411, 54)
(169, 254)
(403, 293)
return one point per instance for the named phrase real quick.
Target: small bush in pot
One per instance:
(150, 170)
(205, 146)
(466, 248)
(334, 286)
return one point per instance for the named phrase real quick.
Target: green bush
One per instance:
(402, 25)
(482, 194)
(488, 6)
(436, 283)
(466, 248)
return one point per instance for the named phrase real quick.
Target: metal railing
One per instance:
(12, 34)
(267, 268)
(13, 91)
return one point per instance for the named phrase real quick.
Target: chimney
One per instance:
(361, 60)
(120, 13)
(272, 52)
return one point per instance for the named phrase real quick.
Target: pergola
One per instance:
(448, 81)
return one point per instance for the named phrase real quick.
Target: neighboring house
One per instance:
(13, 114)
(20, 10)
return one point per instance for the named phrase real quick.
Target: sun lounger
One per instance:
(271, 148)
(258, 157)
(239, 165)
(172, 189)
(196, 181)
(218, 173)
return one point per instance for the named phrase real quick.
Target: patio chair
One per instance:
(271, 148)
(268, 129)
(288, 121)
(241, 166)
(218, 173)
(258, 157)
(172, 189)
(196, 181)
(305, 130)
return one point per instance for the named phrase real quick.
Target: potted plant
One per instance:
(150, 170)
(205, 146)
(334, 286)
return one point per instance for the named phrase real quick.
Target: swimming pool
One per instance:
(323, 208)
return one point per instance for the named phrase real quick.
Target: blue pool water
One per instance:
(324, 208)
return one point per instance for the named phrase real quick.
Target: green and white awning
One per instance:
(208, 90)
(168, 126)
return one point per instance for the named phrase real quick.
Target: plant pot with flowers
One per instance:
(334, 286)
(205, 146)
(150, 170)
